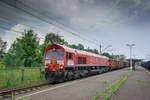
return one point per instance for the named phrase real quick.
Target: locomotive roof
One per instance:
(80, 51)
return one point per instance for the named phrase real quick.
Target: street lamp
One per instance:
(130, 46)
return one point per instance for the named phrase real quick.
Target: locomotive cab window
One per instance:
(69, 55)
(54, 55)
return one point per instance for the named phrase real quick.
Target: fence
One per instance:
(10, 77)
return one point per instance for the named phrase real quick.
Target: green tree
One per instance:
(119, 57)
(122, 57)
(80, 46)
(92, 50)
(116, 57)
(30, 44)
(52, 38)
(14, 57)
(73, 46)
(107, 55)
(25, 51)
(3, 46)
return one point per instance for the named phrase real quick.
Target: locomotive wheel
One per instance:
(82, 73)
(70, 76)
(61, 78)
(103, 70)
(106, 69)
(76, 75)
(100, 71)
(86, 73)
(50, 77)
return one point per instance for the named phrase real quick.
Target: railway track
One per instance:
(11, 92)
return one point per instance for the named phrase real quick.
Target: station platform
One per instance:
(136, 87)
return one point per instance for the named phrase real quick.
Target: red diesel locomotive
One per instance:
(64, 63)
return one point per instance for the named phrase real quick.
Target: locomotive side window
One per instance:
(84, 60)
(81, 60)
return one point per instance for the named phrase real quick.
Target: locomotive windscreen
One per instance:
(54, 55)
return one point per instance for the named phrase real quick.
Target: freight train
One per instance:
(146, 65)
(63, 63)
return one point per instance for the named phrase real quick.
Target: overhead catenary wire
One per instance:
(54, 23)
(5, 19)
(15, 23)
(38, 17)
(16, 31)
(12, 30)
(73, 33)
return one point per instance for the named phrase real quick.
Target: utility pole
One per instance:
(103, 50)
(100, 49)
(130, 46)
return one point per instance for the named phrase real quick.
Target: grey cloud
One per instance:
(111, 21)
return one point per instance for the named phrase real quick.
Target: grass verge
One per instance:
(110, 89)
(23, 99)
(18, 77)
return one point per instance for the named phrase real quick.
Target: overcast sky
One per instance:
(109, 22)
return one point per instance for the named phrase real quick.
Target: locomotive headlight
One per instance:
(60, 62)
(61, 67)
(47, 62)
